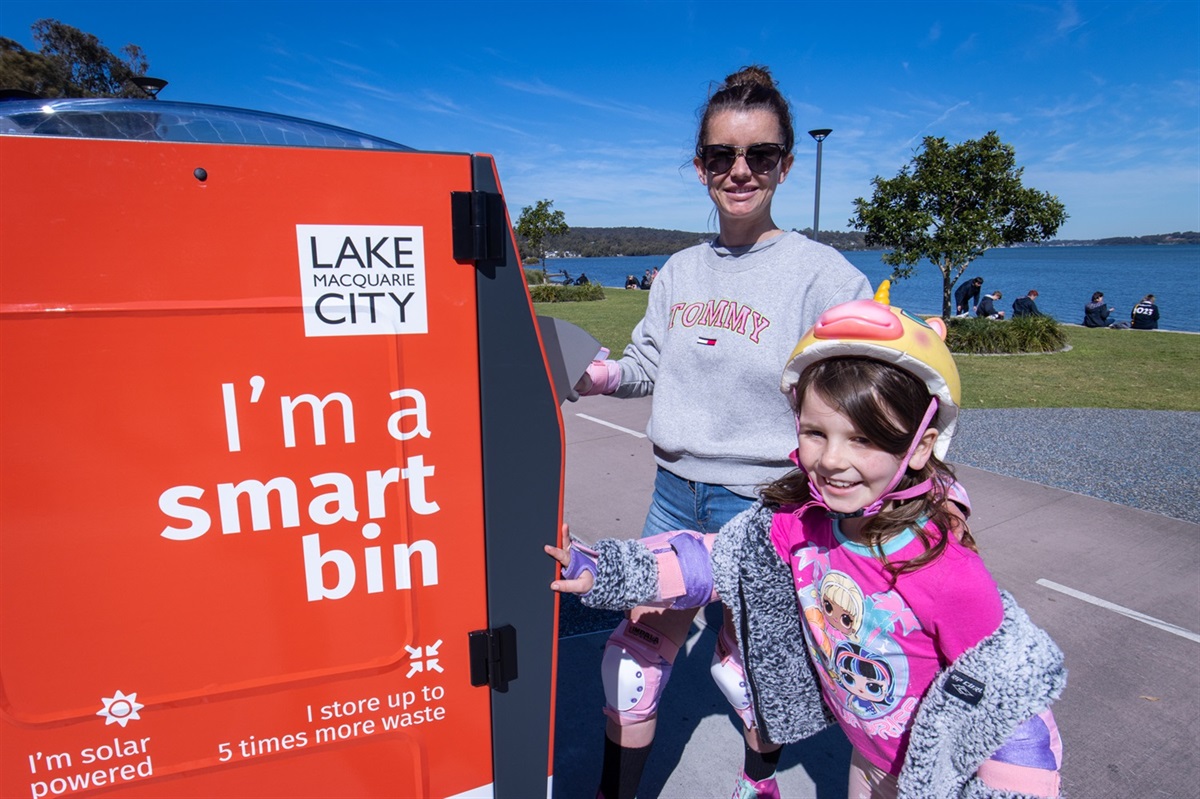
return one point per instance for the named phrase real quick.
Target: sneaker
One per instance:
(747, 788)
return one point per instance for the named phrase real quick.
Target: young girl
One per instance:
(846, 586)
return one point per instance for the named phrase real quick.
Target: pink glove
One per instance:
(602, 376)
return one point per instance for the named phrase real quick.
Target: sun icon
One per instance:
(120, 709)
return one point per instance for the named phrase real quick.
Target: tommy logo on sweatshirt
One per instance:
(707, 342)
(727, 314)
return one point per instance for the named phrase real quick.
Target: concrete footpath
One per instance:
(1117, 588)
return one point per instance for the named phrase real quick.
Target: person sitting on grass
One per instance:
(1095, 314)
(987, 306)
(1027, 305)
(1145, 314)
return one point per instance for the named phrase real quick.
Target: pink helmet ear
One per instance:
(938, 324)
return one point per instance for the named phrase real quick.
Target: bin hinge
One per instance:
(479, 225)
(493, 656)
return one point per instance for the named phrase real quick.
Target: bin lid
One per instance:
(160, 120)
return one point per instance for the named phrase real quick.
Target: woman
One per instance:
(720, 323)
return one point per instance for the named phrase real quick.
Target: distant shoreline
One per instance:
(633, 242)
(1065, 276)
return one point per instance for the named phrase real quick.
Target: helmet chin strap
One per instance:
(888, 495)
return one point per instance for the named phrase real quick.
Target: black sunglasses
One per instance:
(720, 158)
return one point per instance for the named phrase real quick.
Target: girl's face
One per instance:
(743, 198)
(848, 469)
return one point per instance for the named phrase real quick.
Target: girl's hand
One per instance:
(580, 585)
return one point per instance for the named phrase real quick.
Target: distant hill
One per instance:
(1190, 237)
(606, 242)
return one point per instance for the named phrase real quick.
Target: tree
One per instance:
(70, 63)
(538, 223)
(952, 203)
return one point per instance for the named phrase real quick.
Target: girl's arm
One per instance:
(671, 570)
(574, 580)
(1029, 761)
(1017, 666)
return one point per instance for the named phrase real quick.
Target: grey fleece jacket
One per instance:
(1019, 666)
(719, 326)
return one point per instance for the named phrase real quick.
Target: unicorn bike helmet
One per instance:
(874, 329)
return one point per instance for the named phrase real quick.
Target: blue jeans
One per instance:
(680, 504)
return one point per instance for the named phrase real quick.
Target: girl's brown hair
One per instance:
(887, 404)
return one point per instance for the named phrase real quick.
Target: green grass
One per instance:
(610, 320)
(1136, 369)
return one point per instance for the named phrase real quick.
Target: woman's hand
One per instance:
(579, 585)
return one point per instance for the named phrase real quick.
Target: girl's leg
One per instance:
(760, 761)
(644, 646)
(627, 740)
(677, 504)
(868, 781)
(760, 758)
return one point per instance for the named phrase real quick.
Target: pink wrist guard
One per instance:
(603, 376)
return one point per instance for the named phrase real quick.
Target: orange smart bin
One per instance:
(279, 449)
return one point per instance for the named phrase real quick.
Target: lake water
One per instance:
(1065, 278)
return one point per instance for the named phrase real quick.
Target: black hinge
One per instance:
(493, 656)
(479, 226)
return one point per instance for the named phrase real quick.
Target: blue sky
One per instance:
(593, 105)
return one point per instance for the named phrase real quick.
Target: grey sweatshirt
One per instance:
(718, 330)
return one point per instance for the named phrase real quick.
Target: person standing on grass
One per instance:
(965, 294)
(720, 323)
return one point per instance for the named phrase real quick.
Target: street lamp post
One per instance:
(819, 135)
(150, 86)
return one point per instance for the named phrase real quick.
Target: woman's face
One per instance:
(742, 198)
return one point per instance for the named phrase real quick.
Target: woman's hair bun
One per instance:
(753, 75)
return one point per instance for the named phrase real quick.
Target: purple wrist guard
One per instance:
(697, 574)
(583, 559)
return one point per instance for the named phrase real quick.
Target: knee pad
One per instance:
(636, 667)
(730, 676)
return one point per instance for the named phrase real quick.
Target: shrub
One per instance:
(534, 277)
(975, 336)
(553, 292)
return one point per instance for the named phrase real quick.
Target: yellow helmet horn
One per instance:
(883, 293)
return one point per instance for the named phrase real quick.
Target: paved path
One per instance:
(1117, 587)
